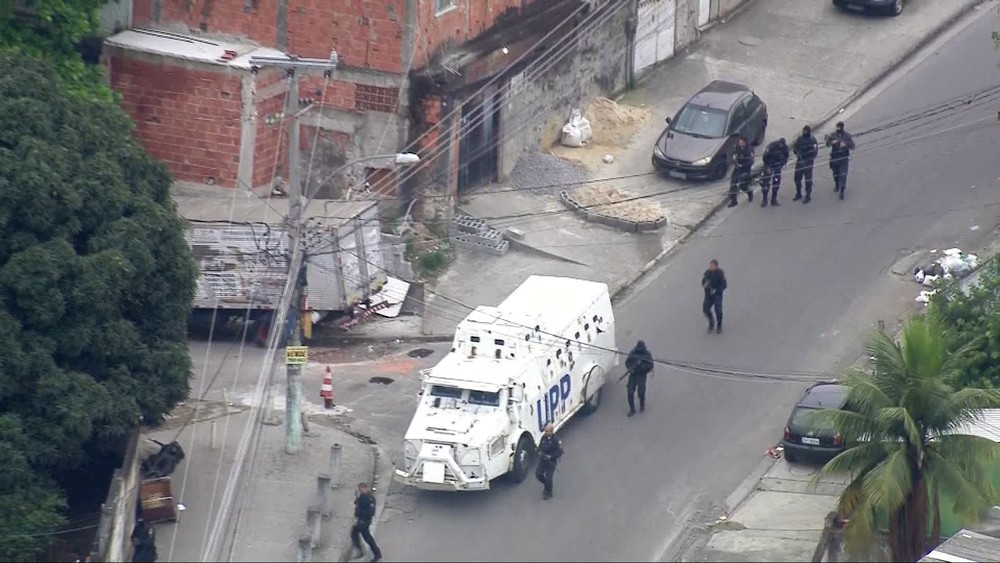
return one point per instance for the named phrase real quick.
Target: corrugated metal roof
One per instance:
(987, 426)
(190, 47)
(966, 547)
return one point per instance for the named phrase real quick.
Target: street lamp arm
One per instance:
(400, 159)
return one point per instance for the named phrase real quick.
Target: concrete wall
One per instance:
(597, 66)
(113, 541)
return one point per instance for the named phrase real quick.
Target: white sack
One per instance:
(571, 136)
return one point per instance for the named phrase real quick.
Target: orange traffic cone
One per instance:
(326, 391)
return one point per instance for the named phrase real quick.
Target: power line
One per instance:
(535, 69)
(563, 209)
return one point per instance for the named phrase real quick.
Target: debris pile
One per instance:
(619, 203)
(953, 264)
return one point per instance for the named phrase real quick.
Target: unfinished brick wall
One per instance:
(269, 129)
(190, 119)
(466, 21)
(365, 34)
(225, 17)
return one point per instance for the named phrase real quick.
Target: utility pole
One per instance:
(296, 258)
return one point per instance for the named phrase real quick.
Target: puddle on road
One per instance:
(381, 380)
(420, 353)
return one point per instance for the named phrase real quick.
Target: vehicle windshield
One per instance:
(445, 391)
(485, 398)
(472, 397)
(701, 122)
(810, 419)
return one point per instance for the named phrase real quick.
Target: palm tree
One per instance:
(901, 425)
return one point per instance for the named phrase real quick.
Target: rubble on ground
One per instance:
(619, 203)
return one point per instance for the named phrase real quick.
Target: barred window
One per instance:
(376, 98)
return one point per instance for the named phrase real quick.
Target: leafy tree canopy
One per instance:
(972, 318)
(96, 281)
(50, 30)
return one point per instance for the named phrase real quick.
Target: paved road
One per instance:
(807, 283)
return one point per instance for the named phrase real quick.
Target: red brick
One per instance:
(172, 119)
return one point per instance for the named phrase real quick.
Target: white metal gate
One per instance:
(704, 12)
(654, 35)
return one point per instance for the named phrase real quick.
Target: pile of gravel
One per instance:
(545, 173)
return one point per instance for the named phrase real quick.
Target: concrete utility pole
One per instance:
(296, 260)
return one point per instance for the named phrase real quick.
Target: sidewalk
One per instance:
(805, 59)
(781, 519)
(268, 514)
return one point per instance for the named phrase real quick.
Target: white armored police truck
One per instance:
(538, 358)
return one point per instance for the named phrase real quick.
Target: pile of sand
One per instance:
(614, 124)
(618, 203)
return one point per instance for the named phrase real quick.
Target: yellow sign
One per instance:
(296, 355)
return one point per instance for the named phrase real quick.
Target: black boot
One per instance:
(798, 196)
(711, 324)
(808, 198)
(718, 328)
(774, 198)
(763, 203)
(732, 201)
(749, 195)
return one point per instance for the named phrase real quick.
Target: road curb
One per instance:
(381, 477)
(618, 293)
(749, 485)
(898, 62)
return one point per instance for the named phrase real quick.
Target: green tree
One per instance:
(902, 425)
(96, 281)
(972, 319)
(51, 30)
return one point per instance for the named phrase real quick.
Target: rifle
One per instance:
(626, 374)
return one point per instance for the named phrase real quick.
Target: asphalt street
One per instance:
(807, 284)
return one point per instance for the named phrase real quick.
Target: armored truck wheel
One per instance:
(594, 401)
(524, 455)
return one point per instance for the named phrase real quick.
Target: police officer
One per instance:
(841, 144)
(742, 171)
(639, 364)
(806, 149)
(713, 281)
(364, 513)
(775, 158)
(549, 451)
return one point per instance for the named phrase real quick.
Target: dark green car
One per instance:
(808, 436)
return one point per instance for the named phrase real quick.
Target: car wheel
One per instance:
(523, 456)
(790, 457)
(896, 8)
(720, 169)
(593, 402)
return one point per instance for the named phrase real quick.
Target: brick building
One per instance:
(182, 69)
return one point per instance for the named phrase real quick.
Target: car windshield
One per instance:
(810, 419)
(701, 122)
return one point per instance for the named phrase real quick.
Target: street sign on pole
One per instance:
(296, 355)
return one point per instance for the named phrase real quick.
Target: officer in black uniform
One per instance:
(742, 171)
(775, 158)
(841, 144)
(639, 364)
(364, 513)
(549, 451)
(714, 283)
(806, 149)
